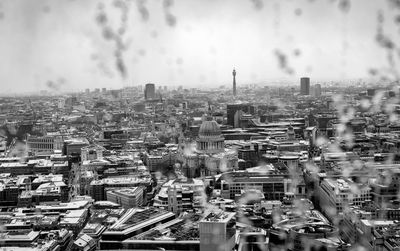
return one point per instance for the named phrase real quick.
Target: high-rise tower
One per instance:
(234, 82)
(304, 86)
(150, 91)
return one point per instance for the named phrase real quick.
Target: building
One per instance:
(210, 139)
(304, 86)
(18, 240)
(98, 188)
(178, 234)
(180, 195)
(337, 194)
(85, 243)
(61, 103)
(74, 220)
(44, 144)
(253, 240)
(41, 179)
(234, 82)
(9, 192)
(139, 107)
(273, 180)
(382, 189)
(209, 155)
(150, 91)
(217, 231)
(317, 90)
(158, 160)
(127, 197)
(46, 192)
(132, 223)
(304, 234)
(74, 146)
(93, 152)
(232, 109)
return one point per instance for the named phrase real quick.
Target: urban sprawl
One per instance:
(299, 166)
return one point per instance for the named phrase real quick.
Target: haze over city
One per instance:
(72, 45)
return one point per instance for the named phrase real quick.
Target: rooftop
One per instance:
(134, 218)
(218, 216)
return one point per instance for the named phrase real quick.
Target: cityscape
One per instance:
(252, 155)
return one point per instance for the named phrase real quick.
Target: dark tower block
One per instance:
(304, 86)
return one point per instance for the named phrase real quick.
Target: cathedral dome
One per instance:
(209, 128)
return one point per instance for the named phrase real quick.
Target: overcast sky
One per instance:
(66, 44)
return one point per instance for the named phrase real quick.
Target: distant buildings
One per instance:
(150, 91)
(234, 82)
(304, 86)
(316, 90)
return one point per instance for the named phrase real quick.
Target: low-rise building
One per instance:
(133, 222)
(180, 195)
(337, 194)
(217, 231)
(44, 144)
(127, 197)
(98, 188)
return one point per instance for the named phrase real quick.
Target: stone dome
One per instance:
(209, 128)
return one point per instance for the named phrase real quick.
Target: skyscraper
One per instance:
(150, 91)
(304, 86)
(317, 90)
(234, 82)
